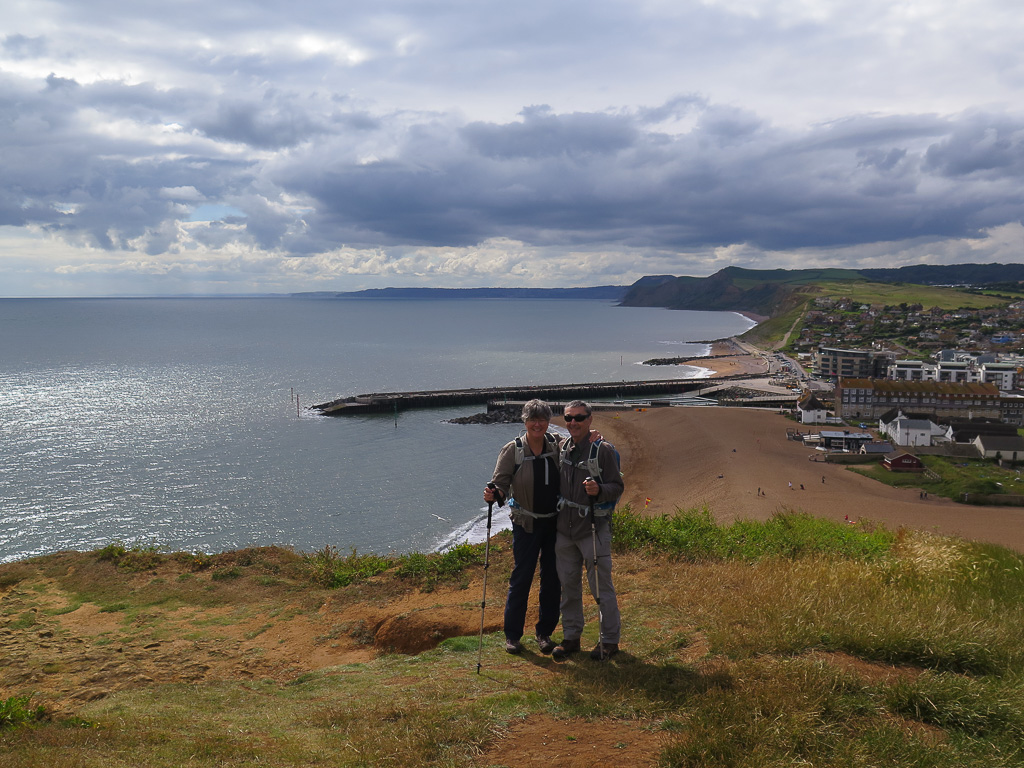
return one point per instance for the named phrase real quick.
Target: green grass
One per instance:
(792, 641)
(330, 569)
(430, 569)
(891, 294)
(957, 476)
(774, 329)
(694, 535)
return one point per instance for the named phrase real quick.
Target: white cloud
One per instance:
(343, 145)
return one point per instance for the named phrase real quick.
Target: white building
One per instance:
(903, 430)
(1004, 375)
(811, 410)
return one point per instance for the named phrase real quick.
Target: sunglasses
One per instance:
(579, 417)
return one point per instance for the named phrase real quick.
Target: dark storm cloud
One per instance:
(544, 135)
(604, 126)
(584, 179)
(575, 179)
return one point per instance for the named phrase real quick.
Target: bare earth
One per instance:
(687, 457)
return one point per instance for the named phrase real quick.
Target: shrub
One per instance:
(16, 711)
(329, 569)
(438, 565)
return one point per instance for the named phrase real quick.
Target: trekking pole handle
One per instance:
(490, 504)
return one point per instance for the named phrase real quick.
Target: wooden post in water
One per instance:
(298, 415)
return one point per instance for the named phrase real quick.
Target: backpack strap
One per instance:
(550, 451)
(592, 463)
(593, 467)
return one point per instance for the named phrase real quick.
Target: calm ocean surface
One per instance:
(171, 422)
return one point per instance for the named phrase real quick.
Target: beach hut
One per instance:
(901, 461)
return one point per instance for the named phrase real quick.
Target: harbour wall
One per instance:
(388, 402)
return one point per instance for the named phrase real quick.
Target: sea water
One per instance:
(184, 423)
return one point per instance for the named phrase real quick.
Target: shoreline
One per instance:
(739, 463)
(725, 358)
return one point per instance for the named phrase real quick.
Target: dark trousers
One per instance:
(527, 549)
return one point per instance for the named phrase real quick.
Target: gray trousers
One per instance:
(570, 558)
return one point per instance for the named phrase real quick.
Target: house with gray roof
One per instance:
(904, 430)
(1005, 447)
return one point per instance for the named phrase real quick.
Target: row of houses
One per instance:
(1004, 376)
(1005, 372)
(920, 414)
(990, 439)
(869, 399)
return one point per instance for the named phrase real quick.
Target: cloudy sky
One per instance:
(259, 146)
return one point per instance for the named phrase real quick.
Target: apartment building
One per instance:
(868, 399)
(851, 363)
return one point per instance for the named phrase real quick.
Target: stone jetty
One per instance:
(389, 402)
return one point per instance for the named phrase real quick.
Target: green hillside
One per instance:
(793, 641)
(782, 295)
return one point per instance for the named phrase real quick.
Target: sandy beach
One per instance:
(727, 358)
(688, 457)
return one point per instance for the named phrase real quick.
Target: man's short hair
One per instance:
(536, 409)
(579, 404)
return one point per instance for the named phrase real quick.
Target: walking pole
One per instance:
(597, 576)
(487, 564)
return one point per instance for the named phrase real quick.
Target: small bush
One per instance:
(132, 559)
(438, 565)
(330, 569)
(16, 711)
(226, 574)
(111, 553)
(197, 561)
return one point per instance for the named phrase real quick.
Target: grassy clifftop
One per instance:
(793, 641)
(784, 293)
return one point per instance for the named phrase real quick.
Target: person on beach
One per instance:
(590, 485)
(526, 474)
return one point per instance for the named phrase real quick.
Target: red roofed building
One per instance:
(902, 462)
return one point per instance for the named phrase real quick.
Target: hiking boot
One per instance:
(546, 644)
(565, 649)
(604, 651)
(513, 646)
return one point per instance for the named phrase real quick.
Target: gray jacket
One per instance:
(519, 486)
(574, 519)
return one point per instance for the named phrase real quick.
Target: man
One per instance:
(590, 486)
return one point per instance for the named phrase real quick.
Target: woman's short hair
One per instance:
(536, 409)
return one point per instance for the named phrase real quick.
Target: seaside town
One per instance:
(893, 384)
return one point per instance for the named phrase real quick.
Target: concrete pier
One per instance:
(388, 402)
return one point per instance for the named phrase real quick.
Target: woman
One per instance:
(526, 474)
